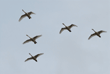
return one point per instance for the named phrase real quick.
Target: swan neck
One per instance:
(64, 24)
(93, 30)
(23, 11)
(28, 36)
(30, 55)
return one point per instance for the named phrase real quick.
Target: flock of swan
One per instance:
(65, 28)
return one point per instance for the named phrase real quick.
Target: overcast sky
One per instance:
(65, 53)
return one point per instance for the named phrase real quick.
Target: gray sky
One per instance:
(66, 53)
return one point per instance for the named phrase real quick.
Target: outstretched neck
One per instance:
(28, 36)
(30, 55)
(93, 30)
(23, 11)
(64, 24)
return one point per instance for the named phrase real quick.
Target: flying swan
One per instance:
(96, 33)
(67, 27)
(32, 39)
(34, 57)
(26, 14)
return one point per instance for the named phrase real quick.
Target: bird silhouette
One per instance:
(26, 14)
(34, 57)
(32, 39)
(96, 33)
(67, 28)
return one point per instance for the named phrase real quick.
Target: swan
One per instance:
(32, 39)
(96, 33)
(67, 27)
(34, 57)
(26, 14)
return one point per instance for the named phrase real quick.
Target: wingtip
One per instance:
(41, 53)
(33, 13)
(40, 35)
(19, 20)
(105, 31)
(23, 42)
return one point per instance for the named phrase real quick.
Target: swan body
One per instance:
(32, 39)
(96, 33)
(26, 14)
(67, 27)
(34, 57)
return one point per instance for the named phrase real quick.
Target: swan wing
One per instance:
(38, 55)
(71, 25)
(91, 35)
(29, 13)
(28, 59)
(99, 32)
(37, 37)
(27, 41)
(62, 30)
(22, 17)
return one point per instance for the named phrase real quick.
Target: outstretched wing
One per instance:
(28, 59)
(71, 25)
(37, 37)
(29, 13)
(27, 41)
(99, 32)
(91, 35)
(62, 30)
(38, 55)
(22, 17)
